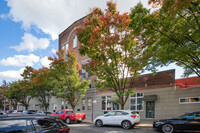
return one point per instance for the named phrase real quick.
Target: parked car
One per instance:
(17, 111)
(2, 112)
(189, 121)
(9, 111)
(32, 124)
(123, 118)
(45, 113)
(136, 117)
(68, 116)
(29, 112)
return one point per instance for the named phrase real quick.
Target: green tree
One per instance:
(3, 87)
(170, 34)
(42, 85)
(13, 94)
(67, 83)
(115, 54)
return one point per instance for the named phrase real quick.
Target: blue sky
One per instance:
(29, 31)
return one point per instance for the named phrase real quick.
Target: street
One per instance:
(91, 128)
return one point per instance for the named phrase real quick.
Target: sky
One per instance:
(29, 31)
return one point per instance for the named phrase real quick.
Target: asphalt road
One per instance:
(91, 128)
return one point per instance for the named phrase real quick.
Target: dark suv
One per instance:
(32, 124)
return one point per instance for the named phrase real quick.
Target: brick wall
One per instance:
(69, 33)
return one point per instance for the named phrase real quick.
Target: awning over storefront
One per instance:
(150, 98)
(41, 105)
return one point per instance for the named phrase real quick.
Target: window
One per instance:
(83, 73)
(66, 48)
(115, 106)
(89, 103)
(83, 104)
(42, 124)
(89, 74)
(106, 104)
(112, 113)
(75, 42)
(13, 126)
(62, 47)
(136, 101)
(189, 100)
(69, 112)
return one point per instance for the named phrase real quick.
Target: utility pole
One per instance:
(92, 111)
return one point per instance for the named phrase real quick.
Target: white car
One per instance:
(124, 118)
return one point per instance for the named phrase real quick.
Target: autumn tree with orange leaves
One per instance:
(66, 79)
(42, 85)
(115, 54)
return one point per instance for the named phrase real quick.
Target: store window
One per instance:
(115, 106)
(106, 104)
(75, 42)
(83, 104)
(89, 103)
(189, 100)
(136, 102)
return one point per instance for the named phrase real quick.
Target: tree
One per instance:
(170, 34)
(13, 94)
(115, 54)
(66, 79)
(3, 87)
(26, 87)
(43, 88)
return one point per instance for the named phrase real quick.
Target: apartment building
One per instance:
(156, 96)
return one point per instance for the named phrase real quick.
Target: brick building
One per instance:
(157, 96)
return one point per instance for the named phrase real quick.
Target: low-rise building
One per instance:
(157, 96)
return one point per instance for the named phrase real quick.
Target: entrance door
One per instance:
(150, 109)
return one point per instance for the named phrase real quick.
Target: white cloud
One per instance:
(11, 74)
(20, 60)
(53, 16)
(31, 43)
(45, 62)
(53, 51)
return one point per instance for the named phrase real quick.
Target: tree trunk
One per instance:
(73, 107)
(122, 106)
(26, 106)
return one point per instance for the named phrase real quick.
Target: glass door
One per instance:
(150, 109)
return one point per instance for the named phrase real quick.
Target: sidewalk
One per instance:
(143, 123)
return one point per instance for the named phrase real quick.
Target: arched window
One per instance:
(75, 42)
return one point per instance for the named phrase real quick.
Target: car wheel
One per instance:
(99, 123)
(79, 121)
(68, 120)
(126, 124)
(167, 128)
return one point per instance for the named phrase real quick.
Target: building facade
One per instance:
(156, 96)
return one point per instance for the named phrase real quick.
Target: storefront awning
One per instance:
(150, 98)
(41, 105)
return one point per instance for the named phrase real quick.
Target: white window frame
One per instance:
(63, 47)
(66, 48)
(136, 98)
(75, 42)
(189, 100)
